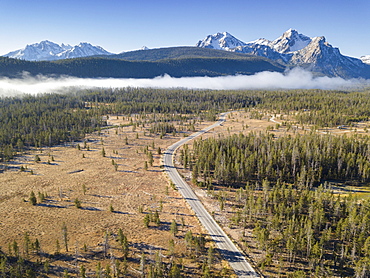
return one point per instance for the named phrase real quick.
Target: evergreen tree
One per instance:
(173, 228)
(33, 199)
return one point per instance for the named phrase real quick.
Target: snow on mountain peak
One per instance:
(290, 41)
(47, 50)
(260, 41)
(295, 49)
(66, 46)
(365, 59)
(222, 41)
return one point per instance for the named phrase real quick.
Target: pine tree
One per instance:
(27, 243)
(146, 220)
(151, 160)
(82, 271)
(32, 198)
(77, 203)
(57, 247)
(173, 228)
(175, 271)
(37, 158)
(65, 236)
(124, 243)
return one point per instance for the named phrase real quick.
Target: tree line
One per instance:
(95, 67)
(303, 160)
(35, 121)
(50, 119)
(322, 108)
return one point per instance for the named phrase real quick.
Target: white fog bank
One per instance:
(295, 79)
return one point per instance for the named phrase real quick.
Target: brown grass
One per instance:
(127, 190)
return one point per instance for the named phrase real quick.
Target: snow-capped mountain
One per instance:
(319, 56)
(290, 41)
(295, 49)
(39, 51)
(365, 59)
(84, 49)
(221, 41)
(47, 50)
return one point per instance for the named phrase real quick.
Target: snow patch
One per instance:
(365, 59)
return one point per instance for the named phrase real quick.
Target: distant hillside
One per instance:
(176, 53)
(116, 68)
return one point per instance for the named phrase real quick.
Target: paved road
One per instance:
(228, 249)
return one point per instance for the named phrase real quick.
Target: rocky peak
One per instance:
(223, 41)
(290, 41)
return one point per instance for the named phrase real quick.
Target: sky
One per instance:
(121, 25)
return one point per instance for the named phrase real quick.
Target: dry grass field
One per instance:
(67, 173)
(115, 192)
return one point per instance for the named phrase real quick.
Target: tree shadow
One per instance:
(119, 212)
(50, 205)
(101, 196)
(127, 171)
(146, 247)
(90, 208)
(75, 171)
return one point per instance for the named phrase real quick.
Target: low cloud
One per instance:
(294, 79)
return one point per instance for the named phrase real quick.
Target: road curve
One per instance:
(227, 248)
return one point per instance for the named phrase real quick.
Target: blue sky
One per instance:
(121, 25)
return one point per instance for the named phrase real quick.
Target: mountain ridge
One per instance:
(50, 51)
(295, 49)
(176, 52)
(290, 50)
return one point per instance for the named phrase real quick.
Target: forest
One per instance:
(95, 67)
(282, 183)
(275, 178)
(51, 119)
(35, 121)
(303, 160)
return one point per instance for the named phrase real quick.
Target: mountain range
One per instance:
(50, 51)
(294, 49)
(219, 54)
